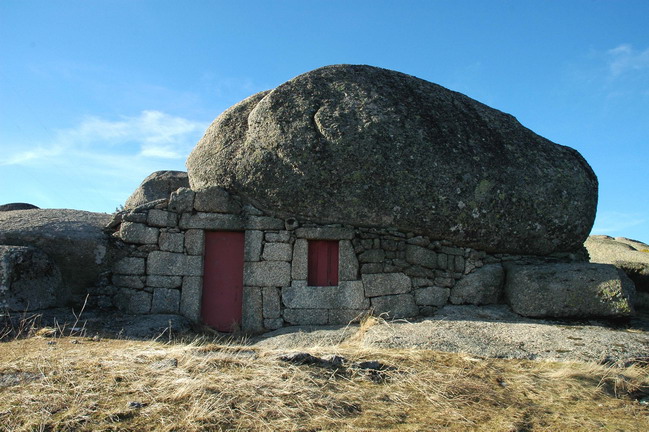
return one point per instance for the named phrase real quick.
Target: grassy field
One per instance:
(50, 382)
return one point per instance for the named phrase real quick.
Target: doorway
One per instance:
(221, 304)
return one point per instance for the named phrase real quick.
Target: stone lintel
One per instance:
(211, 221)
(325, 233)
(263, 223)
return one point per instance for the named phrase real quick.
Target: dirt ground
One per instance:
(487, 331)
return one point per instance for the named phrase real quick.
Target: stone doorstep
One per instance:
(319, 317)
(306, 316)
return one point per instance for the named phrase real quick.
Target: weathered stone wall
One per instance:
(382, 271)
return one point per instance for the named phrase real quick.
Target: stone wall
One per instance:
(381, 271)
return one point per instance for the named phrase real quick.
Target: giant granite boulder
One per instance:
(373, 147)
(73, 239)
(156, 186)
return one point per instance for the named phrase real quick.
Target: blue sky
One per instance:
(95, 95)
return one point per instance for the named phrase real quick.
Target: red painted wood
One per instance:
(323, 263)
(221, 306)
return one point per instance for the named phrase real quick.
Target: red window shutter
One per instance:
(323, 263)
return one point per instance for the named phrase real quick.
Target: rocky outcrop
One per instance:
(569, 290)
(629, 255)
(156, 186)
(17, 206)
(372, 147)
(73, 239)
(29, 280)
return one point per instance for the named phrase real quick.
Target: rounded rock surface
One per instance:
(372, 147)
(17, 206)
(73, 239)
(631, 256)
(157, 185)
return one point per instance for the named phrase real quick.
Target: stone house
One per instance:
(276, 272)
(351, 190)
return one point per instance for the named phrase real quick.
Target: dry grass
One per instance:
(68, 384)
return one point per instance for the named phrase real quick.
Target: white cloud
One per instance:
(152, 134)
(624, 58)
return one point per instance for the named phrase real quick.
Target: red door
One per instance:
(323, 263)
(223, 280)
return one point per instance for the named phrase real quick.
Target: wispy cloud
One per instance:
(624, 58)
(615, 223)
(97, 164)
(151, 134)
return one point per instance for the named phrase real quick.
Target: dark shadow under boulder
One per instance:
(29, 280)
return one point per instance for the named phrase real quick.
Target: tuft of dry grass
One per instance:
(64, 383)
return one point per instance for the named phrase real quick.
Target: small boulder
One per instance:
(569, 290)
(29, 280)
(17, 206)
(158, 185)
